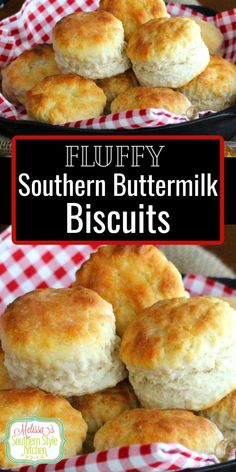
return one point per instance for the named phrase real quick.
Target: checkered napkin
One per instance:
(148, 458)
(33, 25)
(26, 267)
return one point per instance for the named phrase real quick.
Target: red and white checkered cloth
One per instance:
(141, 458)
(33, 25)
(26, 267)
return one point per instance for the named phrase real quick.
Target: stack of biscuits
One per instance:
(123, 357)
(129, 54)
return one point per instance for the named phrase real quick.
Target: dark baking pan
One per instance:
(229, 282)
(204, 10)
(224, 467)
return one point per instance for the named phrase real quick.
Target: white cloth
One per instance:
(197, 260)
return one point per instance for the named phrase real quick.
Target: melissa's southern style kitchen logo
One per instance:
(34, 440)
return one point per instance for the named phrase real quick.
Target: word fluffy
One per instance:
(104, 156)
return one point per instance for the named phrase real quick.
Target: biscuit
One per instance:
(167, 52)
(211, 35)
(149, 97)
(90, 44)
(66, 98)
(26, 71)
(169, 426)
(130, 278)
(62, 341)
(133, 13)
(100, 407)
(186, 353)
(28, 403)
(223, 414)
(215, 88)
(5, 381)
(113, 86)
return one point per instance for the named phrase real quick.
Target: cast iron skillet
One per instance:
(222, 123)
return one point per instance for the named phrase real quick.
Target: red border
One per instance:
(120, 137)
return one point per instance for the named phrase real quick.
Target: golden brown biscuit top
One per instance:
(97, 408)
(113, 86)
(150, 97)
(64, 323)
(82, 35)
(130, 277)
(164, 39)
(31, 66)
(134, 13)
(29, 402)
(24, 402)
(167, 426)
(219, 77)
(65, 84)
(5, 381)
(179, 333)
(65, 98)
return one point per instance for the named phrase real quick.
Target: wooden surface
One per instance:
(219, 4)
(10, 8)
(226, 251)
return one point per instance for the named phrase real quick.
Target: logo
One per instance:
(35, 440)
